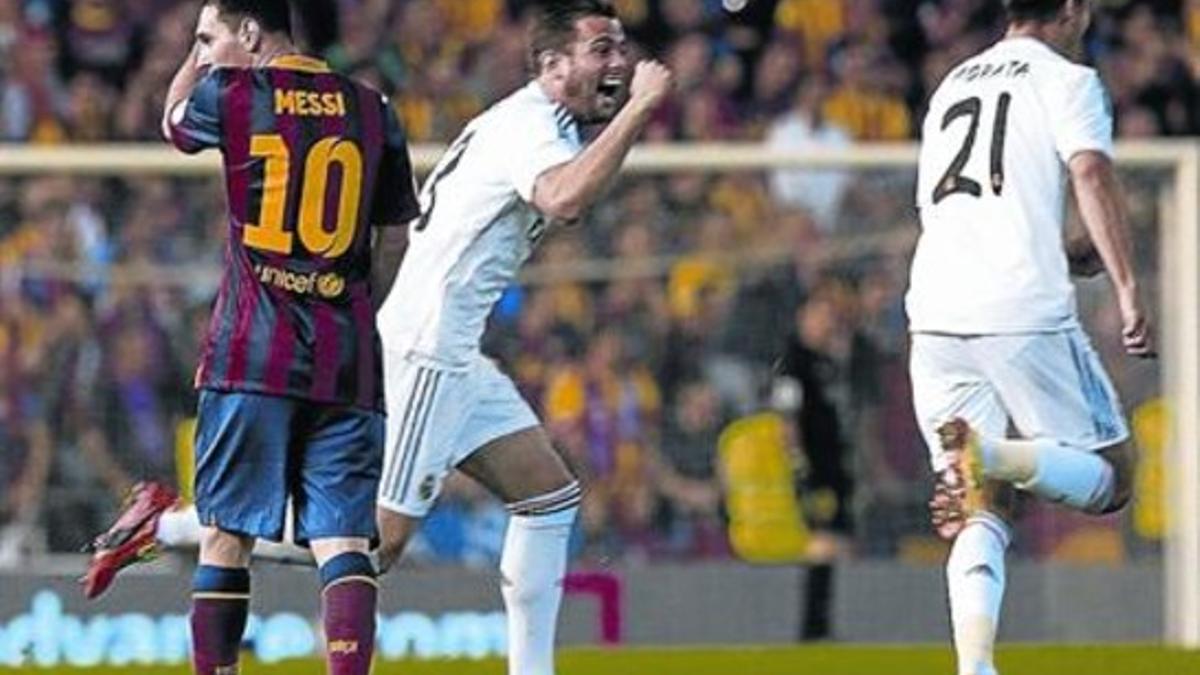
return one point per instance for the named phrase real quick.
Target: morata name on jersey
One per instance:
(309, 103)
(979, 71)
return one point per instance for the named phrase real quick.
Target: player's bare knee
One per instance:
(324, 550)
(555, 476)
(520, 466)
(224, 549)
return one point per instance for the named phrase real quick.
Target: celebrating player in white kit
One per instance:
(515, 171)
(992, 309)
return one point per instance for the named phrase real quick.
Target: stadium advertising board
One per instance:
(48, 634)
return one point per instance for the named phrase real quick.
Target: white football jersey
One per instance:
(991, 190)
(477, 227)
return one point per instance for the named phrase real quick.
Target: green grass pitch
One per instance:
(821, 660)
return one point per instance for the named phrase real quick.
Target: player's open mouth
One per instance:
(610, 88)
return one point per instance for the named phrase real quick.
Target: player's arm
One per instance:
(1083, 132)
(1103, 211)
(565, 191)
(180, 89)
(387, 252)
(395, 205)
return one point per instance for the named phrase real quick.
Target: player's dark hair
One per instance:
(316, 25)
(552, 24)
(275, 16)
(1033, 10)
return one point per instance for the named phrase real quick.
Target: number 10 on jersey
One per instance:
(269, 234)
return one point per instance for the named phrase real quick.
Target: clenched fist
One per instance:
(652, 83)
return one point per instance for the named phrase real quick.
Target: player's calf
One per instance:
(532, 568)
(348, 600)
(975, 579)
(1088, 480)
(220, 601)
(220, 604)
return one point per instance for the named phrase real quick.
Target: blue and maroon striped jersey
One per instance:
(312, 161)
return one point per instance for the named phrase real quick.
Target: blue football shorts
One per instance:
(255, 451)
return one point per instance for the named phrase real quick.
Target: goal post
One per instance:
(1179, 284)
(1180, 264)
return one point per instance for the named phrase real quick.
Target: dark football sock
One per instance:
(348, 601)
(220, 602)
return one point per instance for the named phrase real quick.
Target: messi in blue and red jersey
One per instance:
(290, 377)
(312, 159)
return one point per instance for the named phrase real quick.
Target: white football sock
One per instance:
(178, 527)
(975, 579)
(1062, 473)
(532, 568)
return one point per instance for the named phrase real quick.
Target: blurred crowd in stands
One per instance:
(638, 337)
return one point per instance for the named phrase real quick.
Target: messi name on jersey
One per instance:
(309, 103)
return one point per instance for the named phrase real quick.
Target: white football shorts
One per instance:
(436, 418)
(1048, 385)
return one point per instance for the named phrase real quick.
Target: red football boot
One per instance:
(130, 540)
